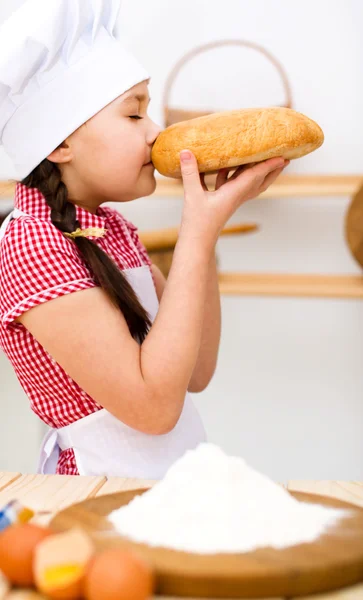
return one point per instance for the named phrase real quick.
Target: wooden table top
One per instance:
(50, 493)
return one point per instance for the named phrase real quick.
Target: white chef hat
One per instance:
(61, 62)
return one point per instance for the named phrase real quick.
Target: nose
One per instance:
(154, 131)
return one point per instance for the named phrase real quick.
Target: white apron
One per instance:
(102, 444)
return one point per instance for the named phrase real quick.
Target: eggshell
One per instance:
(116, 574)
(60, 564)
(17, 546)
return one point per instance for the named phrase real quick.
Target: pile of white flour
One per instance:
(209, 502)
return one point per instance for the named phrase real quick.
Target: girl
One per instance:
(104, 347)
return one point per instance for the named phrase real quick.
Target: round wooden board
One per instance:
(354, 226)
(333, 562)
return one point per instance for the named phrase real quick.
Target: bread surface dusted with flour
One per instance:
(236, 137)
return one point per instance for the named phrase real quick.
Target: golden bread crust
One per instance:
(233, 138)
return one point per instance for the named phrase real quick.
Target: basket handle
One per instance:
(200, 49)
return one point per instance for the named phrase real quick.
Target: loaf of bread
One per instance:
(236, 137)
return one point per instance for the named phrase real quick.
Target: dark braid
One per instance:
(47, 179)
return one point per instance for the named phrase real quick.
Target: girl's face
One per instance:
(108, 158)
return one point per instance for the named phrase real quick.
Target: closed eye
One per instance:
(135, 117)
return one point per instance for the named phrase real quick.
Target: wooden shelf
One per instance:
(289, 285)
(7, 190)
(286, 186)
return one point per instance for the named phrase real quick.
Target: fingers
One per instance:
(221, 178)
(249, 182)
(270, 179)
(202, 182)
(190, 172)
(258, 174)
(262, 169)
(272, 176)
(241, 169)
(223, 174)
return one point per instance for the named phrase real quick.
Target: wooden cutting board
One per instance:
(334, 561)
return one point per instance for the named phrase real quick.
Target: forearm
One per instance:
(211, 333)
(170, 350)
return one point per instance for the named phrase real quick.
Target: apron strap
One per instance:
(5, 224)
(13, 215)
(49, 454)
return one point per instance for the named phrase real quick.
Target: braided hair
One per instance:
(46, 177)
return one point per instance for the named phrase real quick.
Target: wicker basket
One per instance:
(354, 226)
(163, 258)
(175, 115)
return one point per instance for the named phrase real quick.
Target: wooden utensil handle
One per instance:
(165, 239)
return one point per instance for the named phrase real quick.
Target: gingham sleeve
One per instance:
(37, 264)
(138, 243)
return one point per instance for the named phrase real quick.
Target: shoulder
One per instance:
(37, 264)
(33, 238)
(31, 241)
(31, 230)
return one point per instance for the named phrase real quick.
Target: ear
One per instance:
(63, 154)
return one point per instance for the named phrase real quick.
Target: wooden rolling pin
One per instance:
(165, 239)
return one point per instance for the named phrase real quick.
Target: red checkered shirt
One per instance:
(38, 263)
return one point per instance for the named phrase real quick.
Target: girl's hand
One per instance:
(205, 212)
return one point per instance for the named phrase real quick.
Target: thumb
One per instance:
(189, 171)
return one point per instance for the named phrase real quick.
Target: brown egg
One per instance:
(60, 564)
(17, 546)
(24, 594)
(116, 574)
(4, 586)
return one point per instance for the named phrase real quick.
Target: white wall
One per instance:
(288, 393)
